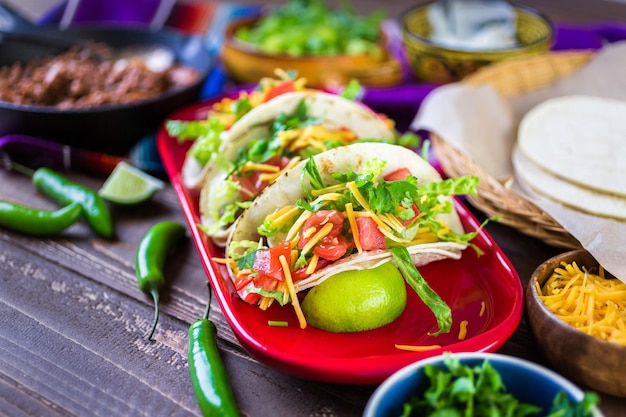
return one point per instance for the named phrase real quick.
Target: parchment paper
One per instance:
(483, 124)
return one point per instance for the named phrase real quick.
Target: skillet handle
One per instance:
(35, 153)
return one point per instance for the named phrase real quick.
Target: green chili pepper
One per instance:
(150, 259)
(38, 222)
(209, 378)
(63, 191)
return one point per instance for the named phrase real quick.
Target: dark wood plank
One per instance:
(73, 323)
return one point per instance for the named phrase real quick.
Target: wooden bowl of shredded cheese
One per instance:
(577, 313)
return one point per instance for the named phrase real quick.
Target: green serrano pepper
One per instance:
(38, 222)
(63, 191)
(209, 378)
(150, 259)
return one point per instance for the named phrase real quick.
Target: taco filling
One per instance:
(290, 138)
(355, 220)
(208, 134)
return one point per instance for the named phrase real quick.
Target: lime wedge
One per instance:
(129, 185)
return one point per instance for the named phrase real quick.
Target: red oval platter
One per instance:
(483, 291)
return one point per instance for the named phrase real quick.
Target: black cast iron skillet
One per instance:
(110, 129)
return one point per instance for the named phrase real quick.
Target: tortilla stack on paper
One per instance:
(580, 140)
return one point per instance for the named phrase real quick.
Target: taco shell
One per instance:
(334, 111)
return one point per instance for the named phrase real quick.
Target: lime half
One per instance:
(129, 185)
(354, 301)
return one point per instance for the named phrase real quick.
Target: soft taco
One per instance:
(208, 133)
(349, 208)
(240, 152)
(273, 138)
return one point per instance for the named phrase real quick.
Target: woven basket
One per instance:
(494, 198)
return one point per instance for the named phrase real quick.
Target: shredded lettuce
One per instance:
(279, 296)
(352, 90)
(205, 133)
(441, 310)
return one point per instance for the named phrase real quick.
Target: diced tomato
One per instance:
(267, 262)
(248, 297)
(331, 247)
(265, 281)
(300, 273)
(397, 175)
(282, 88)
(251, 184)
(415, 214)
(242, 281)
(370, 237)
(318, 220)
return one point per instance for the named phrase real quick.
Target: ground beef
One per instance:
(86, 76)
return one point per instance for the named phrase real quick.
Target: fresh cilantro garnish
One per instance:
(246, 261)
(264, 149)
(458, 390)
(562, 406)
(241, 106)
(461, 391)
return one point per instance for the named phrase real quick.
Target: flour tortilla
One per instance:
(335, 112)
(287, 189)
(579, 139)
(566, 193)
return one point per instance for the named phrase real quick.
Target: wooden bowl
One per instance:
(438, 64)
(246, 64)
(585, 359)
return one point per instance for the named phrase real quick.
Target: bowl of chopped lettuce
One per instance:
(479, 384)
(327, 46)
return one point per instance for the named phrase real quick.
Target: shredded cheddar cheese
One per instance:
(393, 222)
(252, 166)
(293, 232)
(482, 308)
(270, 177)
(283, 215)
(592, 303)
(353, 227)
(357, 194)
(312, 264)
(332, 188)
(319, 235)
(292, 291)
(418, 348)
(463, 329)
(326, 197)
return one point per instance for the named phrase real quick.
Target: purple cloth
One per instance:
(140, 13)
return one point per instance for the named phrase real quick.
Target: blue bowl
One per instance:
(528, 382)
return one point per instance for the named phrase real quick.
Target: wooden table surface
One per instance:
(74, 324)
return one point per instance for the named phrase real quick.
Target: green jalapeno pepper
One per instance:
(209, 378)
(63, 191)
(38, 222)
(150, 259)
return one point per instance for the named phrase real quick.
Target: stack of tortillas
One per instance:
(572, 150)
